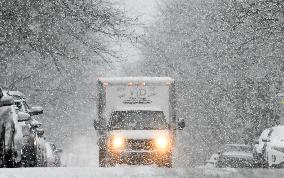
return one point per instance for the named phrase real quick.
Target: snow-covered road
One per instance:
(136, 172)
(81, 159)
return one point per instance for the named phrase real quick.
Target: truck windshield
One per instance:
(138, 120)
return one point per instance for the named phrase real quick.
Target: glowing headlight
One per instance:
(162, 143)
(117, 142)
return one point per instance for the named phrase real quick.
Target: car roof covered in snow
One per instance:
(238, 154)
(237, 145)
(277, 131)
(278, 127)
(135, 79)
(14, 94)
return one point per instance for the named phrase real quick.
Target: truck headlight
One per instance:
(162, 143)
(117, 143)
(281, 149)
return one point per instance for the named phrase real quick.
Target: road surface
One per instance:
(137, 172)
(81, 160)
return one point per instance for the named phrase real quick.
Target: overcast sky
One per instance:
(145, 10)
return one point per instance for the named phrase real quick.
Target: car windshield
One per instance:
(264, 134)
(22, 106)
(138, 120)
(237, 148)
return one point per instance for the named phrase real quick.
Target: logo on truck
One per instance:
(136, 95)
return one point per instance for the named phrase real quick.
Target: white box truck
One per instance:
(136, 121)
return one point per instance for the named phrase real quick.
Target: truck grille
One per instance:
(140, 144)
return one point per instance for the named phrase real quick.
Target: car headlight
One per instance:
(162, 143)
(281, 149)
(117, 142)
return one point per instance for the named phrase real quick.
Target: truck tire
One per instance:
(167, 164)
(102, 158)
(111, 162)
(105, 160)
(166, 161)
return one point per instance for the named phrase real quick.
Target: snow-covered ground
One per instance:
(137, 172)
(81, 159)
(82, 152)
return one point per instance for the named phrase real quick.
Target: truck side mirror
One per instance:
(22, 116)
(181, 124)
(97, 125)
(36, 110)
(6, 101)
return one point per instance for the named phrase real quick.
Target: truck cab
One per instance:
(136, 120)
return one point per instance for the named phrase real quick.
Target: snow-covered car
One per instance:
(31, 151)
(259, 148)
(11, 137)
(236, 156)
(212, 162)
(259, 144)
(274, 150)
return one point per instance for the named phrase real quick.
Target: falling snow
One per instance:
(224, 57)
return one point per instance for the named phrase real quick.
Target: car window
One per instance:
(264, 134)
(26, 106)
(277, 133)
(270, 133)
(19, 106)
(22, 106)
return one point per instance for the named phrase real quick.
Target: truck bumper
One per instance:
(140, 157)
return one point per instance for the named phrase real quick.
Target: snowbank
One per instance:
(139, 171)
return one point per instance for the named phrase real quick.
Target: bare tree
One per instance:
(52, 49)
(228, 56)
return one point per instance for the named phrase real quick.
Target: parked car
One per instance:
(31, 151)
(236, 156)
(11, 137)
(212, 162)
(259, 148)
(274, 149)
